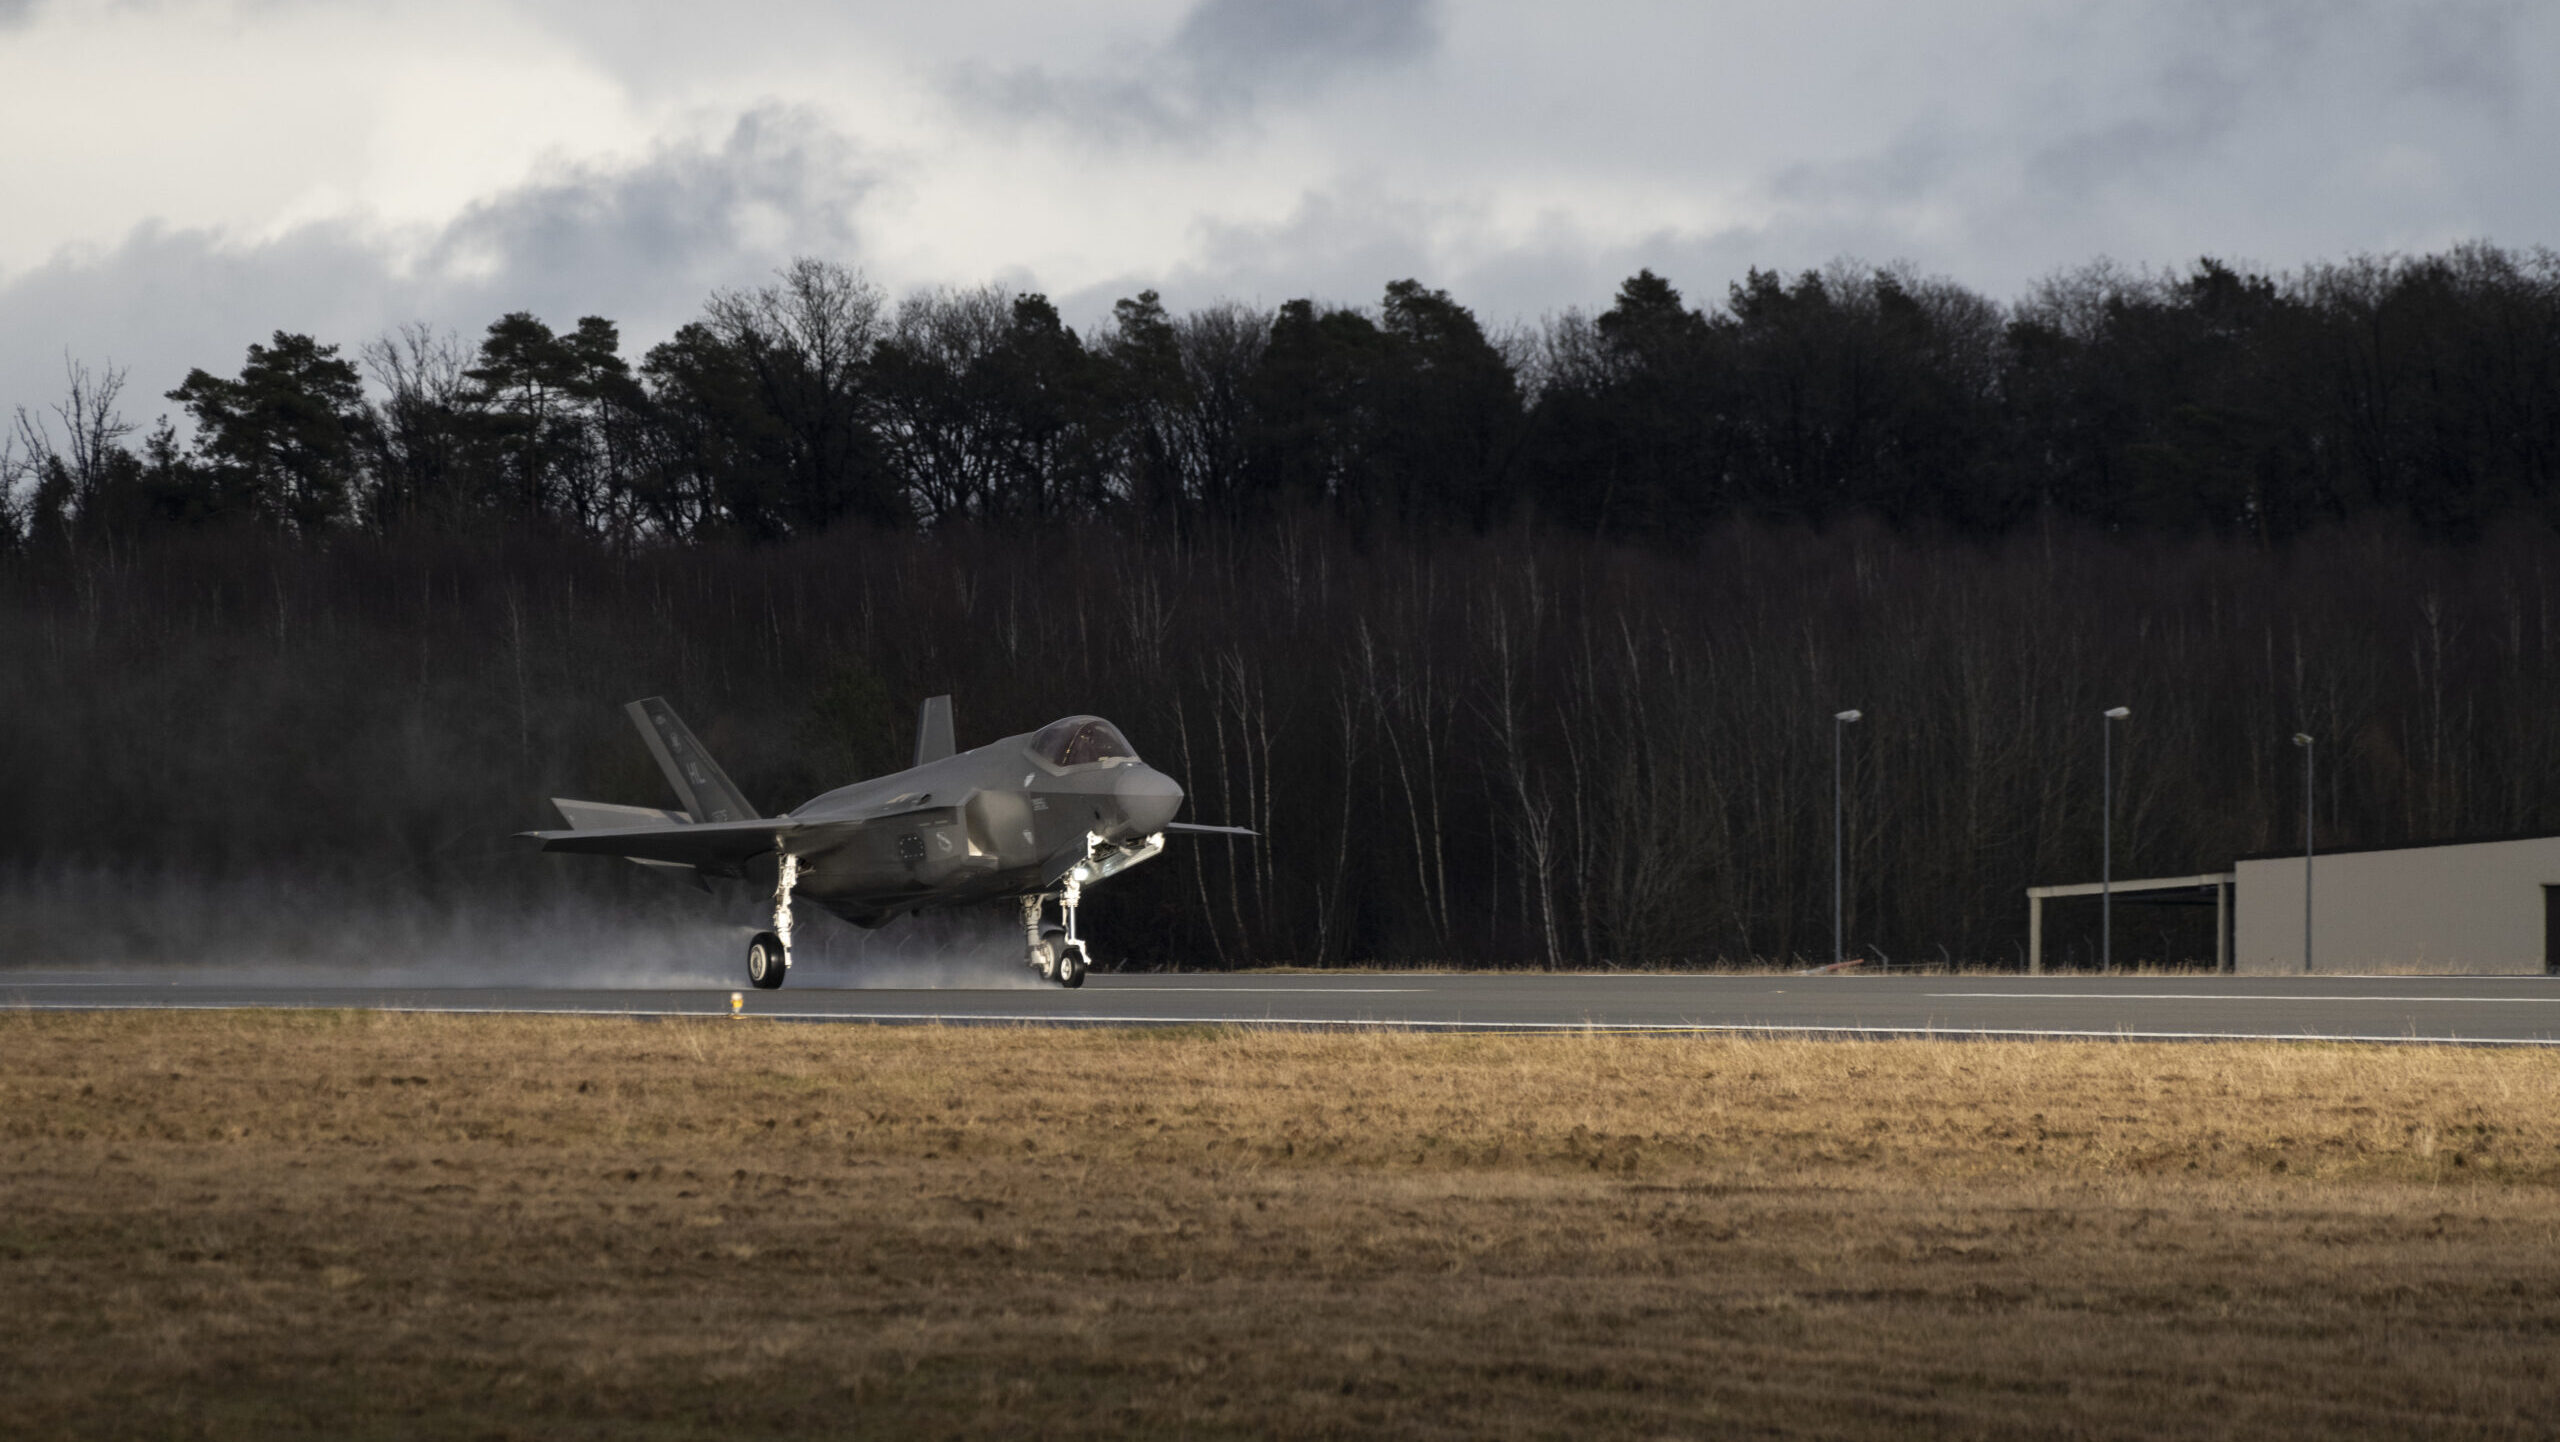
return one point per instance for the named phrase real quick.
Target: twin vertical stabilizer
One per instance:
(933, 730)
(709, 795)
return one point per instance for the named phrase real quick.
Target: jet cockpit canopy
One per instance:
(1080, 740)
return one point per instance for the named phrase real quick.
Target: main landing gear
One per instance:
(767, 962)
(769, 954)
(1057, 953)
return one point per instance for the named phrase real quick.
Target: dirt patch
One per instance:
(360, 1224)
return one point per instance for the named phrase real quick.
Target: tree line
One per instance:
(2216, 400)
(1516, 646)
(1528, 747)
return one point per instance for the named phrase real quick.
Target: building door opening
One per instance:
(2551, 930)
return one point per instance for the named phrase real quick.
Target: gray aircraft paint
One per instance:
(708, 792)
(955, 829)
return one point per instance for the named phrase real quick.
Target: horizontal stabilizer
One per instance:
(1196, 830)
(603, 815)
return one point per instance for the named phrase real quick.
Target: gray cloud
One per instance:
(2240, 71)
(2137, 147)
(779, 184)
(1343, 246)
(1526, 158)
(1223, 60)
(2219, 59)
(2271, 130)
(2464, 50)
(1912, 165)
(1262, 43)
(642, 246)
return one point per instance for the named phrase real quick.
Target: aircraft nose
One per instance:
(1148, 798)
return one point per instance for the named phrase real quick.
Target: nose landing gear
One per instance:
(1056, 952)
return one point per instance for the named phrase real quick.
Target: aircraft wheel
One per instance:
(765, 961)
(1071, 968)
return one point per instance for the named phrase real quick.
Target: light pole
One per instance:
(1839, 729)
(2303, 740)
(2107, 843)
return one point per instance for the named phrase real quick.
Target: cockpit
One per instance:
(1081, 740)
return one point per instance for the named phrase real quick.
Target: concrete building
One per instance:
(2479, 907)
(2484, 908)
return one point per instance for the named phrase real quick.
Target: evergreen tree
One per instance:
(281, 440)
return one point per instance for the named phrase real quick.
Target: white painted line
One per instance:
(1815, 1030)
(2227, 996)
(1281, 990)
(1950, 1032)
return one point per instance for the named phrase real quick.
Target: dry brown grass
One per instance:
(263, 1224)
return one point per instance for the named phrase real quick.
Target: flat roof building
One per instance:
(2481, 908)
(2465, 907)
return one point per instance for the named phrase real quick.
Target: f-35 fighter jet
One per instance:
(1027, 819)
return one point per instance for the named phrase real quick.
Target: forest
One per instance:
(1520, 646)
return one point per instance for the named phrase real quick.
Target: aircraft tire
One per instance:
(765, 963)
(1070, 968)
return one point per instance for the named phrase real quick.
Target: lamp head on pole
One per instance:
(2301, 738)
(2119, 713)
(1847, 715)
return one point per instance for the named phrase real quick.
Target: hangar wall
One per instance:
(2473, 908)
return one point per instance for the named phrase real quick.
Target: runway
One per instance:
(2506, 1011)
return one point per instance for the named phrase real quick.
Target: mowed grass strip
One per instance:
(351, 1224)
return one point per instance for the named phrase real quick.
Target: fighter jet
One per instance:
(1026, 819)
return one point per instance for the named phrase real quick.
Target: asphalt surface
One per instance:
(2521, 1010)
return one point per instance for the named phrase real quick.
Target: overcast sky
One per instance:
(181, 177)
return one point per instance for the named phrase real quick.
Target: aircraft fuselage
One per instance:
(992, 822)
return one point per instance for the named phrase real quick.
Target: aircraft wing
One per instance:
(1198, 830)
(717, 843)
(712, 843)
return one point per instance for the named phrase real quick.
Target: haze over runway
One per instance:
(2512, 1010)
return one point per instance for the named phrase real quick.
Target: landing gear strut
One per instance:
(769, 955)
(1056, 952)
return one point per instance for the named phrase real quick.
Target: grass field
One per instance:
(263, 1224)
